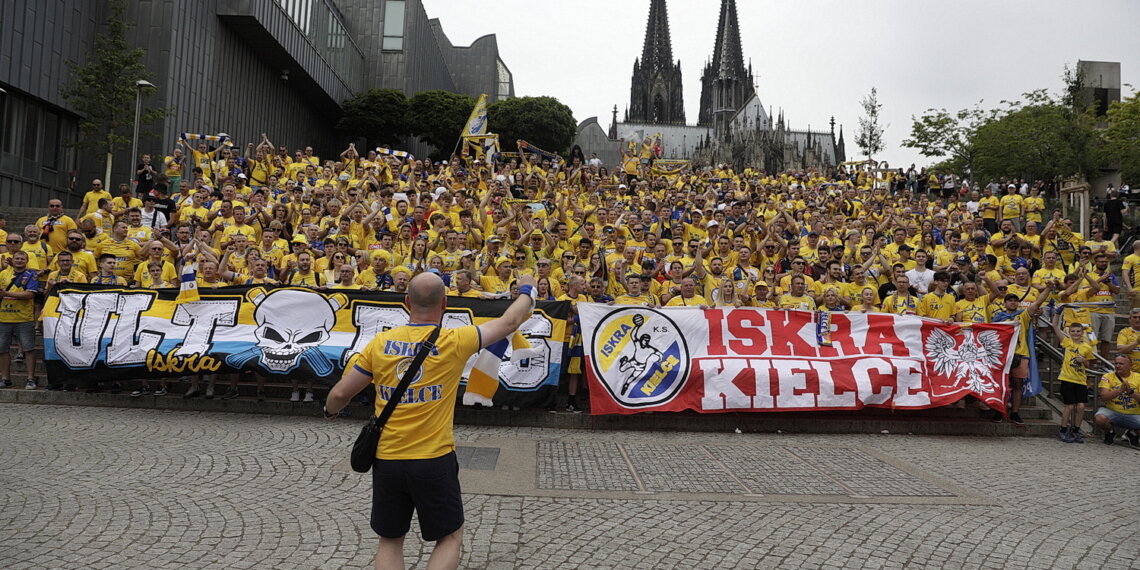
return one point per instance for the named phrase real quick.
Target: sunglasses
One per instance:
(13, 241)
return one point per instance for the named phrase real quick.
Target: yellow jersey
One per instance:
(421, 427)
(1127, 336)
(1122, 403)
(18, 310)
(937, 306)
(1073, 363)
(679, 301)
(976, 311)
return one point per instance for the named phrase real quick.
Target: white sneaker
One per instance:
(296, 397)
(308, 396)
(31, 385)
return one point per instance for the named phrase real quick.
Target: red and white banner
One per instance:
(731, 360)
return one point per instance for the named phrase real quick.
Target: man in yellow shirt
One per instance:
(686, 296)
(55, 226)
(92, 197)
(1121, 403)
(415, 467)
(633, 293)
(797, 296)
(939, 303)
(989, 205)
(18, 286)
(1128, 339)
(126, 251)
(1012, 207)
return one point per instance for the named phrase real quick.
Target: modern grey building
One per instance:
(240, 67)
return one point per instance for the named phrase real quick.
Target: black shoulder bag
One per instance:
(364, 450)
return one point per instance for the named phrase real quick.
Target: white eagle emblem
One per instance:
(973, 360)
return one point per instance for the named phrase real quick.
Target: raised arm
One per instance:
(513, 318)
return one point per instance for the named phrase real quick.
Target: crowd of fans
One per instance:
(852, 238)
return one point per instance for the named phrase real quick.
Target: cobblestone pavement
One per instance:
(116, 488)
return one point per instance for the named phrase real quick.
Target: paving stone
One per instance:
(136, 488)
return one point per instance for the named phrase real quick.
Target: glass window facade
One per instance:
(393, 25)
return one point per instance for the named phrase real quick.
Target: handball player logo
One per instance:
(640, 356)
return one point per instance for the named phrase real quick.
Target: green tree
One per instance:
(1038, 139)
(437, 117)
(1122, 138)
(870, 136)
(940, 134)
(103, 90)
(378, 115)
(542, 121)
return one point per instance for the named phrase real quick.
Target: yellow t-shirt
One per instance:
(1128, 336)
(901, 304)
(679, 301)
(311, 279)
(789, 301)
(18, 310)
(1123, 404)
(1011, 206)
(937, 307)
(643, 299)
(1072, 367)
(126, 252)
(1033, 208)
(991, 202)
(1025, 321)
(421, 427)
(143, 279)
(974, 311)
(91, 200)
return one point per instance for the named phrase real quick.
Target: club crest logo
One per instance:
(640, 357)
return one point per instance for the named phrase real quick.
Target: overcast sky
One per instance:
(812, 58)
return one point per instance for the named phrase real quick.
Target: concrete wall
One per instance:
(592, 138)
(679, 141)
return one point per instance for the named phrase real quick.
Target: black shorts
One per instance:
(1073, 393)
(430, 487)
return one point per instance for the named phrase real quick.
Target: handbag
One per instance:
(364, 450)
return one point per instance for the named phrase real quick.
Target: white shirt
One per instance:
(153, 219)
(972, 206)
(920, 279)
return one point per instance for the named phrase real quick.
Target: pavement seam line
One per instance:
(632, 470)
(748, 490)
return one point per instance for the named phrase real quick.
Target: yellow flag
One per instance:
(477, 122)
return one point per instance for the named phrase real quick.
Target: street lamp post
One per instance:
(139, 86)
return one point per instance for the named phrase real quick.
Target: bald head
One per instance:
(426, 292)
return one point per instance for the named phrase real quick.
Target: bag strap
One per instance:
(425, 347)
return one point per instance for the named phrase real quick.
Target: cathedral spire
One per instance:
(728, 56)
(658, 50)
(655, 94)
(726, 83)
